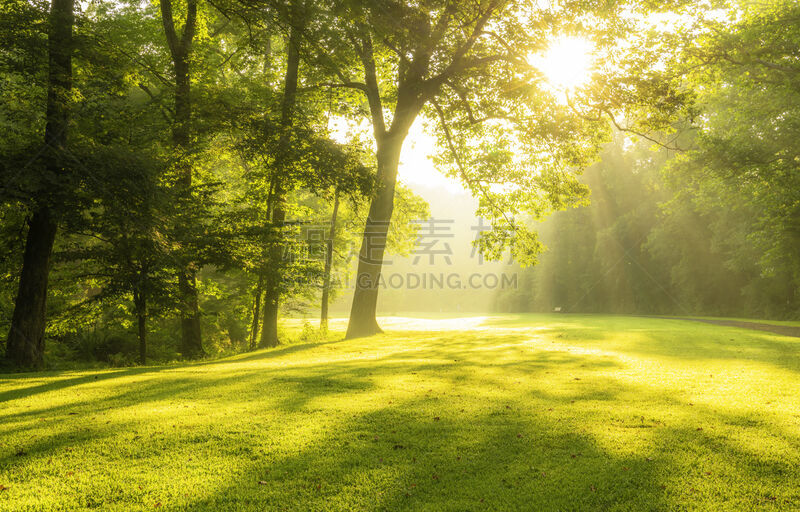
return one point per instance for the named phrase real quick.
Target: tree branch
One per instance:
(169, 28)
(462, 170)
(372, 90)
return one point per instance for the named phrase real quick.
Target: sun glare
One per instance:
(567, 62)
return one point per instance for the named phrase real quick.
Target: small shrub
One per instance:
(311, 334)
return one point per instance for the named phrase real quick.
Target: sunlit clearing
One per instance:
(567, 62)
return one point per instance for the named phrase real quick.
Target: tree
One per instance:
(269, 331)
(350, 212)
(180, 48)
(25, 345)
(326, 279)
(742, 174)
(464, 65)
(122, 243)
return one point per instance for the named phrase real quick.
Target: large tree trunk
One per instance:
(272, 296)
(191, 336)
(326, 280)
(269, 327)
(180, 50)
(25, 346)
(363, 320)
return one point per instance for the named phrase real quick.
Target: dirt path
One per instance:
(784, 330)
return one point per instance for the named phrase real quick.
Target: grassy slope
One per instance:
(526, 413)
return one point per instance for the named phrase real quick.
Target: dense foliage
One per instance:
(711, 224)
(170, 183)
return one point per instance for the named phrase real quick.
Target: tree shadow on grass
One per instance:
(301, 383)
(442, 422)
(723, 343)
(65, 382)
(682, 342)
(494, 461)
(434, 354)
(90, 376)
(507, 457)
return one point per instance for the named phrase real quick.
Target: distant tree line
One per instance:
(710, 224)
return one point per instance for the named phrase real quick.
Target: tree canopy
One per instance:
(172, 165)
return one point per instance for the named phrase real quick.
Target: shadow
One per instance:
(684, 340)
(64, 382)
(472, 420)
(89, 376)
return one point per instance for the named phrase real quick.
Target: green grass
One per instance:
(536, 412)
(790, 323)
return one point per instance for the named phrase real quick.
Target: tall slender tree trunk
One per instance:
(191, 336)
(25, 346)
(180, 49)
(256, 310)
(326, 281)
(273, 277)
(142, 339)
(273, 281)
(262, 272)
(140, 304)
(363, 321)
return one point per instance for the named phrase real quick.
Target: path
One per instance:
(784, 330)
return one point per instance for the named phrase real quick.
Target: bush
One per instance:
(311, 334)
(98, 344)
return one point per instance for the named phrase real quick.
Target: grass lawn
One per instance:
(789, 323)
(531, 413)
